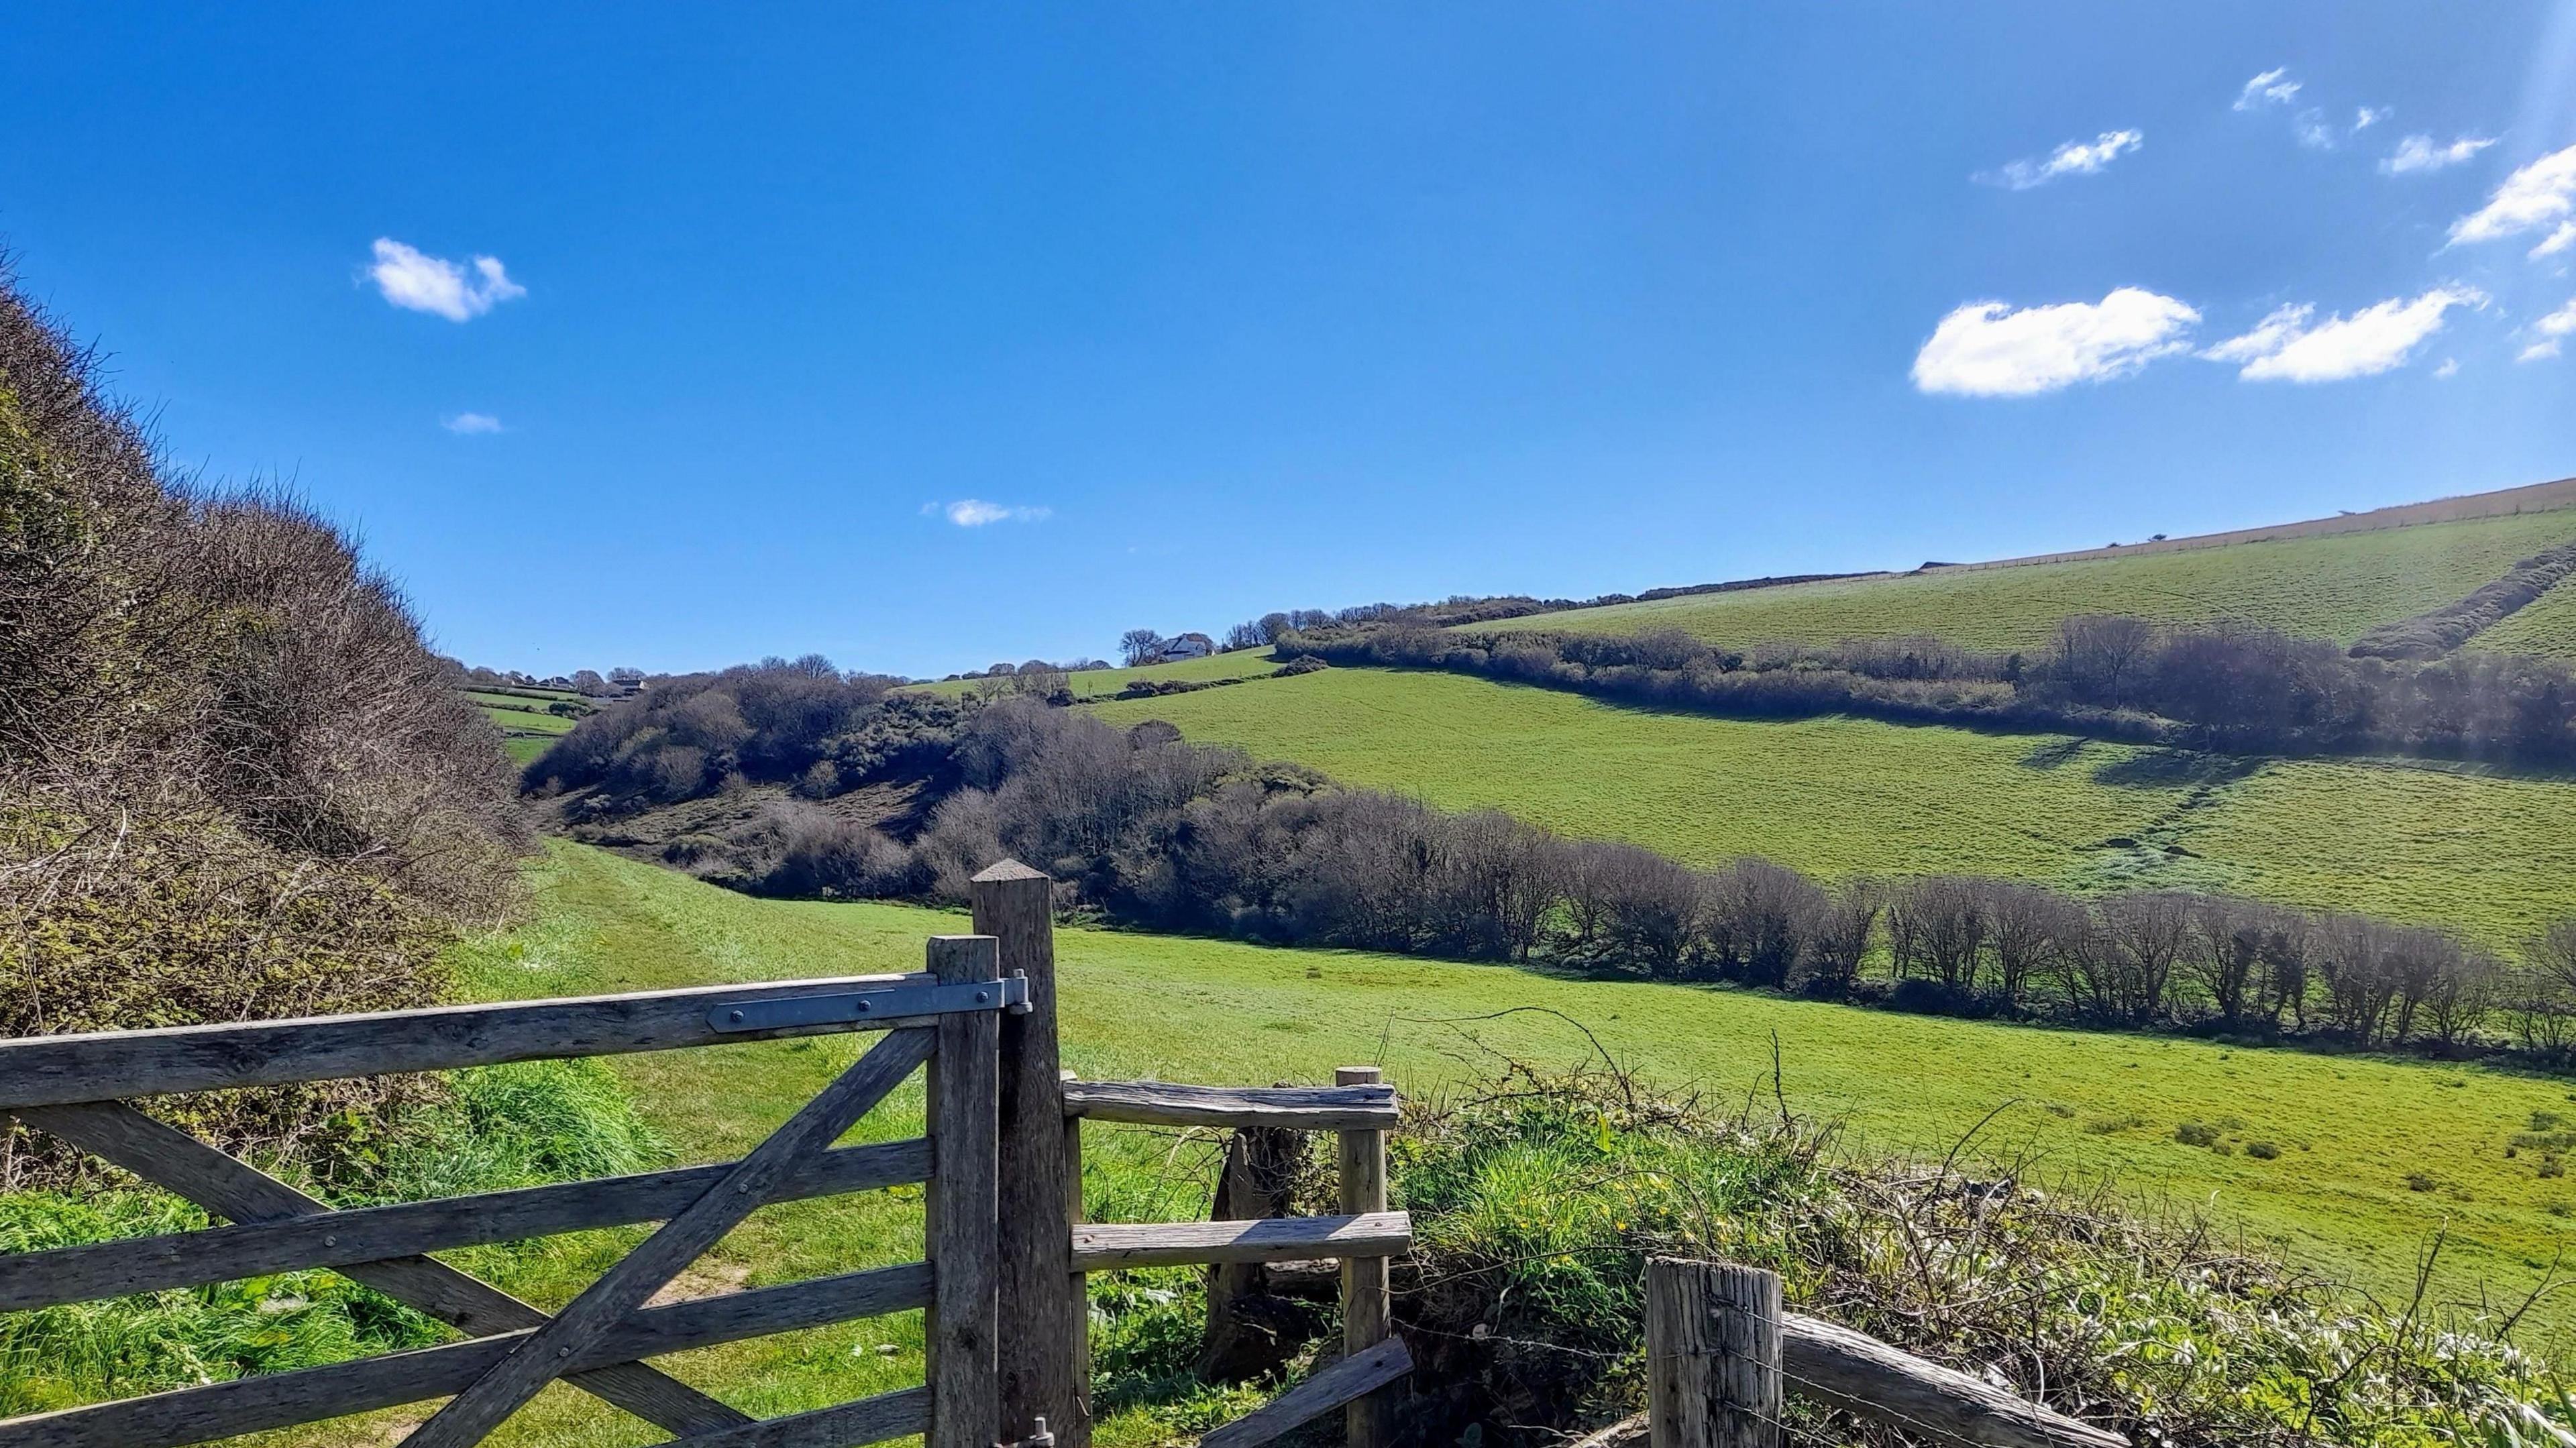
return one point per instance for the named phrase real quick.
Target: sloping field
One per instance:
(2349, 1129)
(2547, 626)
(2336, 586)
(1840, 796)
(1093, 683)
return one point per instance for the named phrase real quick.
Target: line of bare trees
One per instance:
(1157, 832)
(2225, 687)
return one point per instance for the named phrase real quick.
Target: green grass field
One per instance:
(527, 730)
(2089, 1107)
(2336, 586)
(1841, 796)
(1093, 683)
(2547, 627)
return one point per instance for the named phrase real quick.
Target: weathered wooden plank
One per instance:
(1368, 1308)
(1713, 1355)
(163, 1154)
(1108, 1246)
(472, 1415)
(965, 1194)
(1352, 1378)
(898, 1414)
(1833, 1365)
(1043, 1346)
(1300, 1108)
(116, 1065)
(307, 1395)
(31, 1280)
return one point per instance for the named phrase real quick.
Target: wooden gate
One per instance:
(80, 1088)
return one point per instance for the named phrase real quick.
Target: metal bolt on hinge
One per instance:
(1021, 1007)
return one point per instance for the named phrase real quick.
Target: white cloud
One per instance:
(2535, 196)
(418, 282)
(2550, 333)
(2367, 117)
(2556, 242)
(2450, 368)
(2284, 347)
(2270, 88)
(2074, 158)
(975, 512)
(2423, 153)
(2313, 132)
(1987, 349)
(471, 423)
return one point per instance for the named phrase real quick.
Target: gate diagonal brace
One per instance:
(910, 1002)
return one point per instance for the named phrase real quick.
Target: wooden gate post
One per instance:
(965, 1394)
(1712, 1355)
(1368, 1309)
(1045, 1345)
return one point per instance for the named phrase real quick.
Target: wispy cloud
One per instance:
(2423, 153)
(2556, 241)
(2287, 347)
(2549, 335)
(2537, 195)
(2313, 132)
(975, 512)
(2074, 158)
(2272, 87)
(2450, 368)
(471, 423)
(2368, 116)
(415, 281)
(1988, 349)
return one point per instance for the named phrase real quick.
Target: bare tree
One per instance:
(1844, 931)
(2147, 931)
(1140, 646)
(2098, 655)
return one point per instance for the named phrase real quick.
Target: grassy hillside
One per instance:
(527, 728)
(1840, 796)
(2336, 586)
(1093, 683)
(2546, 627)
(2349, 1129)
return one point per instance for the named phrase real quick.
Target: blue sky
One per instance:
(928, 336)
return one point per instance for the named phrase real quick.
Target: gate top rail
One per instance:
(117, 1065)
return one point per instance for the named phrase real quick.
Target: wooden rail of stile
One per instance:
(1006, 1246)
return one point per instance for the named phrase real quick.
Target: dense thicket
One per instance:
(233, 782)
(1152, 830)
(2223, 687)
(796, 722)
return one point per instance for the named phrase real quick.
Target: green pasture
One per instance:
(2081, 1110)
(1839, 796)
(2337, 586)
(2547, 626)
(1093, 683)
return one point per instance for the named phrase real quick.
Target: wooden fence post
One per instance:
(1712, 1355)
(963, 1202)
(1368, 1309)
(1045, 1345)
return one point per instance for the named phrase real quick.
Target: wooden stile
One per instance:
(1042, 1348)
(1368, 1306)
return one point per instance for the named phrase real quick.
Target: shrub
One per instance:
(233, 781)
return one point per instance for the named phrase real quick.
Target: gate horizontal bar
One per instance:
(30, 1280)
(307, 1395)
(1108, 1246)
(866, 1007)
(117, 1065)
(1298, 1108)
